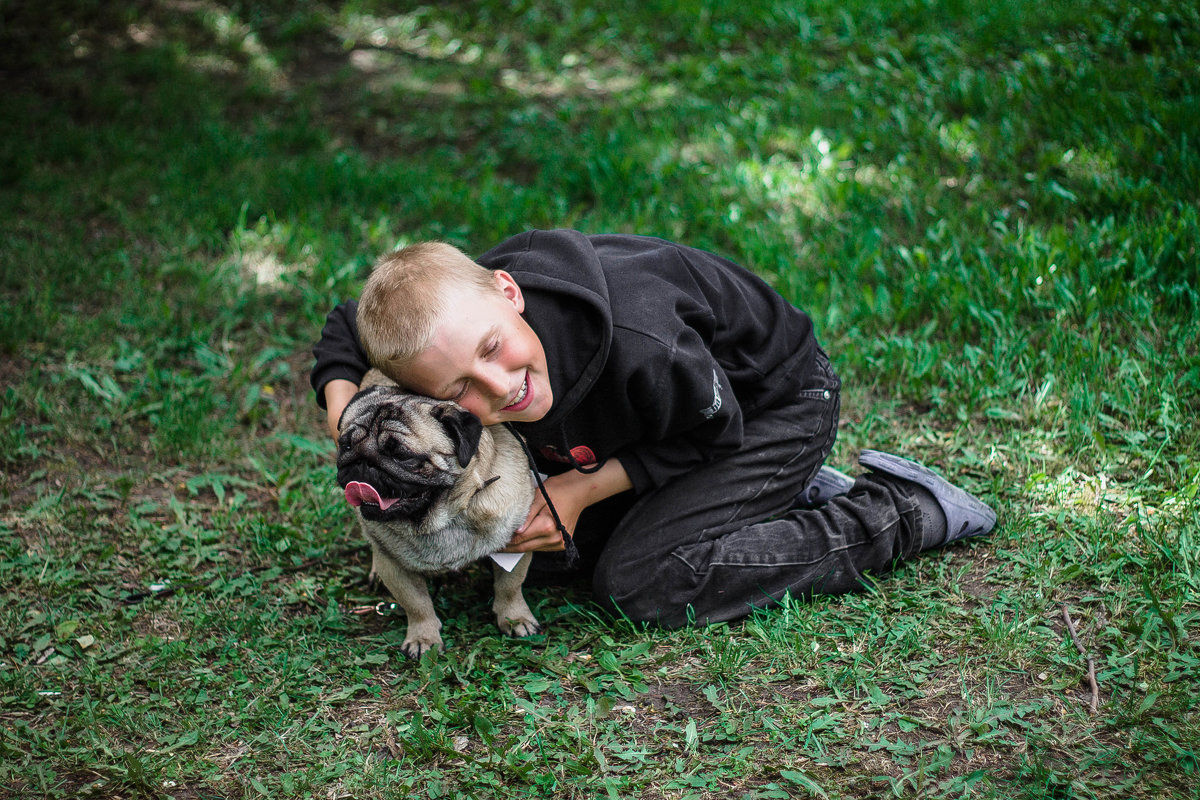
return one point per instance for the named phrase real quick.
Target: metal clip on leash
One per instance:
(382, 608)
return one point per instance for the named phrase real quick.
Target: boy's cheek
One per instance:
(485, 413)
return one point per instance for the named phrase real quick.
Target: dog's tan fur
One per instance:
(474, 510)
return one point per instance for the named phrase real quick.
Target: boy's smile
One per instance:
(485, 357)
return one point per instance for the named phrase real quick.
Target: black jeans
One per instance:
(726, 537)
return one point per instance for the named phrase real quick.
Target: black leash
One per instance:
(570, 552)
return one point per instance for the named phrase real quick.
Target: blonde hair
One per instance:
(404, 299)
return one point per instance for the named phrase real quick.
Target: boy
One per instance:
(679, 404)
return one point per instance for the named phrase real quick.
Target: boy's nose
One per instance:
(495, 383)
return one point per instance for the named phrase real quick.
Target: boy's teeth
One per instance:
(521, 394)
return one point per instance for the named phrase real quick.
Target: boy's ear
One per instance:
(463, 428)
(508, 287)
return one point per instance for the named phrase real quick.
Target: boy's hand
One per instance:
(571, 493)
(538, 531)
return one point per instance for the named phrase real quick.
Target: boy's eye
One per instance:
(492, 349)
(461, 393)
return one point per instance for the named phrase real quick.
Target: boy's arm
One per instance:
(339, 354)
(686, 410)
(571, 492)
(338, 393)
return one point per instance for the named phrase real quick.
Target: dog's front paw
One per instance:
(414, 648)
(522, 626)
(422, 637)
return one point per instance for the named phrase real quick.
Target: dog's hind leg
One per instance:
(412, 593)
(512, 613)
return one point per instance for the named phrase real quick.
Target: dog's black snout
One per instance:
(363, 472)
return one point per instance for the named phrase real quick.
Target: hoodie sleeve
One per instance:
(338, 353)
(689, 415)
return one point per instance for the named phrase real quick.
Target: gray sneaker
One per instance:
(965, 515)
(828, 483)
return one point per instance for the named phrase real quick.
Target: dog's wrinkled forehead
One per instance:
(382, 402)
(382, 409)
(389, 420)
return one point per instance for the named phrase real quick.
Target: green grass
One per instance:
(990, 210)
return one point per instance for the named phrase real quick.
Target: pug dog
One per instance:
(435, 490)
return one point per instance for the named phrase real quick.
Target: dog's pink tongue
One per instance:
(358, 493)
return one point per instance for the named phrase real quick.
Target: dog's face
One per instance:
(399, 452)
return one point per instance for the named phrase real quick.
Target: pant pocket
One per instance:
(816, 394)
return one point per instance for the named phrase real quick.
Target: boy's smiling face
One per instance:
(485, 357)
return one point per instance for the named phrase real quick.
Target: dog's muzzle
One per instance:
(381, 499)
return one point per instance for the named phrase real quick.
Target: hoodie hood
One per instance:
(565, 290)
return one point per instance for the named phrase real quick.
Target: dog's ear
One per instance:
(464, 429)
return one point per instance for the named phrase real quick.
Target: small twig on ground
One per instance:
(1091, 663)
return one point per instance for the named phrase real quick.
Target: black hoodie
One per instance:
(656, 352)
